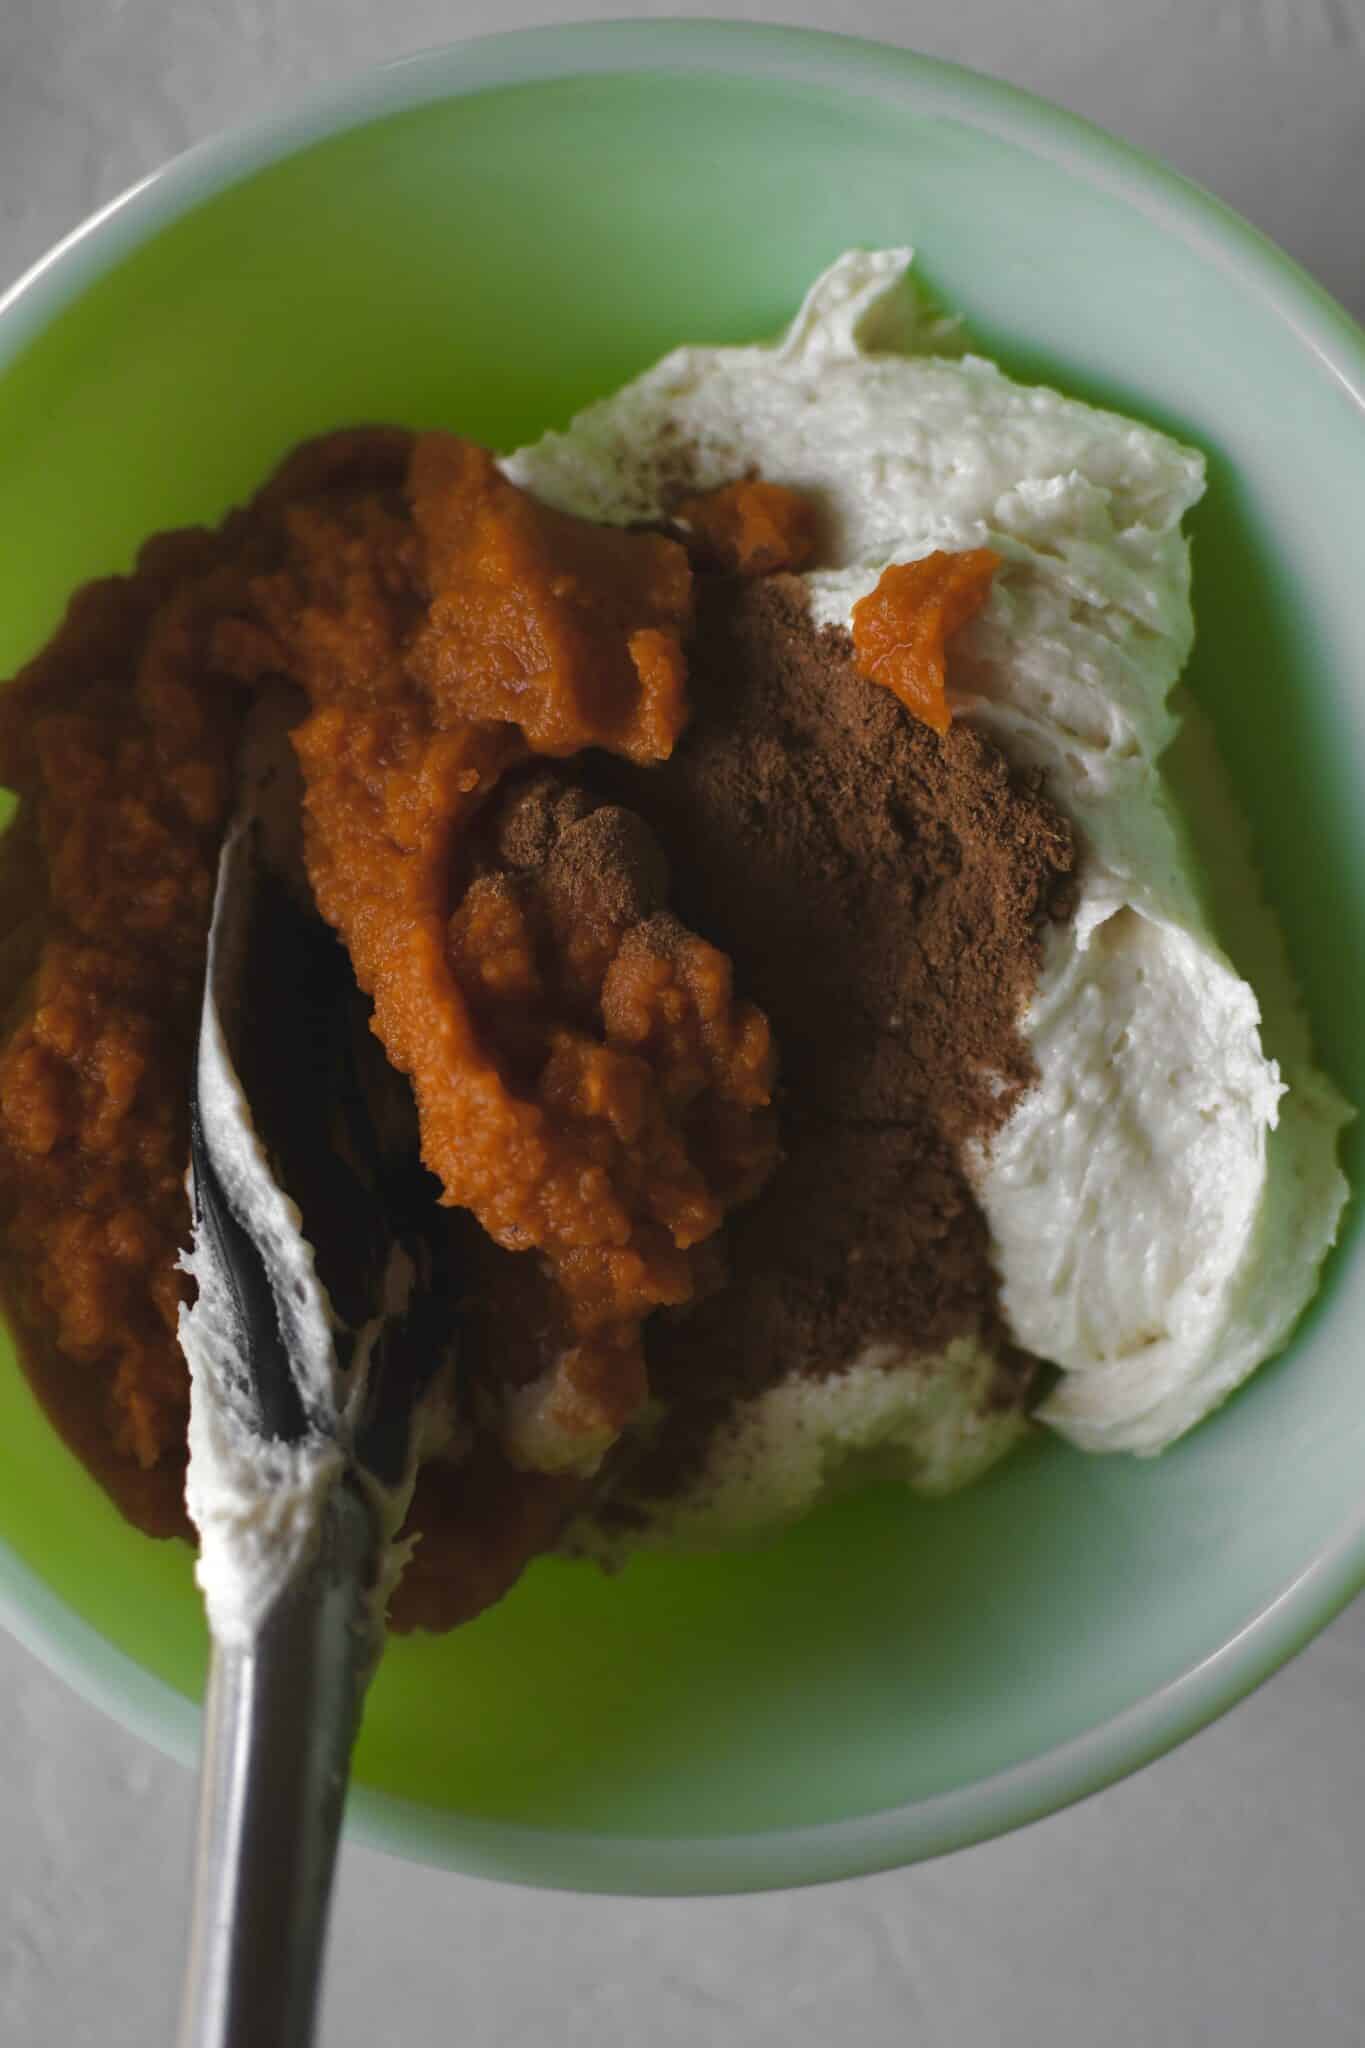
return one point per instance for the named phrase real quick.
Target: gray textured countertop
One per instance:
(1217, 1896)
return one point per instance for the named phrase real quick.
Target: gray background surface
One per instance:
(1216, 1897)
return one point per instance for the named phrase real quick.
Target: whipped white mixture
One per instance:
(1160, 1202)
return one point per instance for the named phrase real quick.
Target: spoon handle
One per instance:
(280, 1718)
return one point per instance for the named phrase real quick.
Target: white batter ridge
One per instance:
(1161, 1201)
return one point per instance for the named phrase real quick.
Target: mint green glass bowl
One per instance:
(484, 238)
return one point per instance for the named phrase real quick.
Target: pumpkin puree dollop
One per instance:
(593, 1095)
(901, 629)
(440, 643)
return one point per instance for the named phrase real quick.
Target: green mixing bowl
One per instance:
(484, 238)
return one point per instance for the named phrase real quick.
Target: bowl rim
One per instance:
(574, 1859)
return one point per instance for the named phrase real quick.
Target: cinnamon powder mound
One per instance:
(885, 890)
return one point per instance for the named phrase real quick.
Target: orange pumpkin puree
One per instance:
(445, 627)
(751, 528)
(122, 740)
(439, 644)
(901, 628)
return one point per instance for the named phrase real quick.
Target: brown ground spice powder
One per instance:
(885, 890)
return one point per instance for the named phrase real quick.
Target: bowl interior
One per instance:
(489, 263)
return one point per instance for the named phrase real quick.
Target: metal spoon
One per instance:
(319, 1342)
